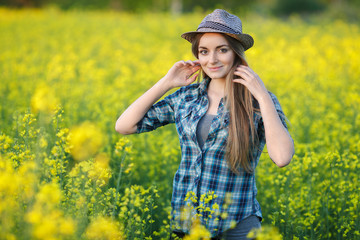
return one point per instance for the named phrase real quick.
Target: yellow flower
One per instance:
(265, 233)
(215, 206)
(43, 143)
(46, 219)
(5, 142)
(44, 100)
(198, 232)
(103, 228)
(85, 140)
(49, 194)
(67, 227)
(224, 215)
(130, 166)
(102, 160)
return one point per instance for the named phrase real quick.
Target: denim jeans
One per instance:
(238, 233)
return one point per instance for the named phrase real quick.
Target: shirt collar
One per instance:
(204, 85)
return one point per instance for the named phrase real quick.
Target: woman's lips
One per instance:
(214, 69)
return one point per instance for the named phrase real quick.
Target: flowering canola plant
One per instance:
(66, 174)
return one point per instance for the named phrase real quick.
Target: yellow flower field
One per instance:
(66, 174)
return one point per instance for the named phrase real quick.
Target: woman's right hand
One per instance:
(182, 74)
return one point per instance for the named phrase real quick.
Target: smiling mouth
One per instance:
(213, 69)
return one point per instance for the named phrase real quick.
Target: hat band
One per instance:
(217, 26)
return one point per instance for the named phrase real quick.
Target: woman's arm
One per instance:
(126, 123)
(279, 143)
(181, 74)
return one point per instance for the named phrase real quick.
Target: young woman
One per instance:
(223, 123)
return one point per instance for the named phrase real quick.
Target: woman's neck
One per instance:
(217, 88)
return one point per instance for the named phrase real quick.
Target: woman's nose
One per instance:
(213, 58)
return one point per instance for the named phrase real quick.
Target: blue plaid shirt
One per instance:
(230, 197)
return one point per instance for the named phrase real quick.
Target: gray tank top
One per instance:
(203, 128)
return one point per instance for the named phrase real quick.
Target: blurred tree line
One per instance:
(277, 7)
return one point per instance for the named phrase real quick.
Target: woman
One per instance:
(223, 123)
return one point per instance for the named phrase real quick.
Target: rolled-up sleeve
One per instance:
(160, 114)
(279, 109)
(261, 129)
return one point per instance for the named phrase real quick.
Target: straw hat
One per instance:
(220, 21)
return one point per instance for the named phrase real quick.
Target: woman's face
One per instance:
(215, 55)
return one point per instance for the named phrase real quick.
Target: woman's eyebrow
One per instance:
(224, 45)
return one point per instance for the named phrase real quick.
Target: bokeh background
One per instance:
(69, 68)
(347, 9)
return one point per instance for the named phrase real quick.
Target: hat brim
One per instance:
(245, 39)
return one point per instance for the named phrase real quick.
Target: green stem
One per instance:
(118, 185)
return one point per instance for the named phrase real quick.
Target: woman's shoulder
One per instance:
(183, 94)
(188, 91)
(193, 86)
(197, 88)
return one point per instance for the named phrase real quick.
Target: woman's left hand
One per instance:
(279, 143)
(251, 81)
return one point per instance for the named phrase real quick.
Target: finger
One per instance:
(195, 68)
(249, 73)
(247, 69)
(242, 74)
(192, 63)
(193, 77)
(189, 62)
(243, 68)
(192, 73)
(241, 81)
(181, 63)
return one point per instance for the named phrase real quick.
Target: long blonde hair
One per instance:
(242, 136)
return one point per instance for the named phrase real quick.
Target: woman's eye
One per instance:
(203, 52)
(223, 50)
